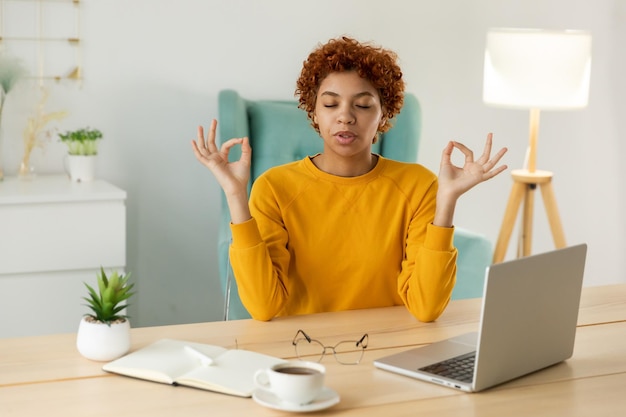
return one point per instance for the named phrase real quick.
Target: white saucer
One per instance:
(327, 398)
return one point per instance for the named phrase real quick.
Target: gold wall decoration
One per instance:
(44, 35)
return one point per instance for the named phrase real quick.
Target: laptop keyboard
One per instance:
(460, 368)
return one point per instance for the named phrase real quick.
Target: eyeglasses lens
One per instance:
(348, 353)
(310, 351)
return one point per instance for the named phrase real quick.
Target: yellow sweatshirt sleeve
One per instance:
(260, 271)
(428, 272)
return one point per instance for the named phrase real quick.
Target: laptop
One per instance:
(528, 322)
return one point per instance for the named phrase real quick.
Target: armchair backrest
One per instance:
(279, 133)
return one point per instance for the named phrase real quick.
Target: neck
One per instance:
(342, 167)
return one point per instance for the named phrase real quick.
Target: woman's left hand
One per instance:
(454, 181)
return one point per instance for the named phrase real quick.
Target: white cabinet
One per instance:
(54, 235)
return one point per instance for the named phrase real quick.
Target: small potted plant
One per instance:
(82, 147)
(105, 334)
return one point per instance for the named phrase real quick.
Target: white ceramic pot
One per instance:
(81, 167)
(100, 342)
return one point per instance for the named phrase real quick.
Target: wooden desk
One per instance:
(46, 376)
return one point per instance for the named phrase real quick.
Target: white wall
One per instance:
(153, 69)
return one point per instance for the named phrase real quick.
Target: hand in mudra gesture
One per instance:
(232, 176)
(455, 181)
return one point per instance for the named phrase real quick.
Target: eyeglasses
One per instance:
(347, 352)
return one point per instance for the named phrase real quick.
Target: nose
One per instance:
(346, 116)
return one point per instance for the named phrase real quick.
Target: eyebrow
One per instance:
(358, 95)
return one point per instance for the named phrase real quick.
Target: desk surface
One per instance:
(46, 376)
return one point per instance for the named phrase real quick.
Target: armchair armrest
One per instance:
(475, 252)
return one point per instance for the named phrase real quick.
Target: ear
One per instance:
(383, 121)
(314, 123)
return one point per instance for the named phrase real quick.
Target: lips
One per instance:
(345, 137)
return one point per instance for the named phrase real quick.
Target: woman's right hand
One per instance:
(233, 177)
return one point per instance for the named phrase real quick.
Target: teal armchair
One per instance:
(280, 132)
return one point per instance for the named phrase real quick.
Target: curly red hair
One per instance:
(371, 62)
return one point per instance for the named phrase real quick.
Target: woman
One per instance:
(345, 229)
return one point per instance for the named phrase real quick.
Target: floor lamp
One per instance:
(535, 70)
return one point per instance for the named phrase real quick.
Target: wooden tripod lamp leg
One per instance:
(527, 219)
(549, 201)
(525, 181)
(508, 222)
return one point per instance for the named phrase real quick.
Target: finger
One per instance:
(487, 150)
(246, 151)
(499, 155)
(200, 138)
(245, 145)
(469, 154)
(493, 161)
(446, 154)
(228, 145)
(197, 152)
(211, 146)
(492, 173)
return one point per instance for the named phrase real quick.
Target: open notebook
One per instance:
(177, 362)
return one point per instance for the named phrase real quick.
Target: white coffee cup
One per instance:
(293, 382)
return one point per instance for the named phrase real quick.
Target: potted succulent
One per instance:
(82, 147)
(105, 334)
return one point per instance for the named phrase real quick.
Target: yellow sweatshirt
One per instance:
(318, 242)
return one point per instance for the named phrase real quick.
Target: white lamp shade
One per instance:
(534, 68)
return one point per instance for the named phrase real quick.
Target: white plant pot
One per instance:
(100, 342)
(81, 167)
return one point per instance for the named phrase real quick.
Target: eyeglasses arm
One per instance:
(363, 341)
(306, 336)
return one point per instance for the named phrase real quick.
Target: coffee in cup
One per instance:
(294, 382)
